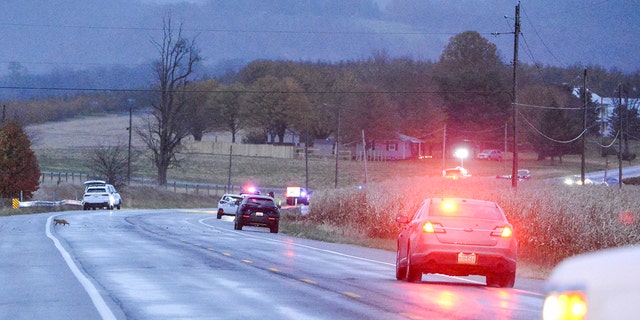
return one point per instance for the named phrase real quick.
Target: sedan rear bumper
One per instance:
(445, 259)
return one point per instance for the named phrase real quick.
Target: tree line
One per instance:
(468, 91)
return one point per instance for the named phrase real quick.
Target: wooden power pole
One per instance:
(516, 33)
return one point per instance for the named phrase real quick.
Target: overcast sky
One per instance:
(43, 35)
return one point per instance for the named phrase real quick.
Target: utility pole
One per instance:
(337, 150)
(506, 142)
(620, 133)
(364, 153)
(444, 147)
(584, 126)
(306, 160)
(516, 33)
(130, 128)
(229, 187)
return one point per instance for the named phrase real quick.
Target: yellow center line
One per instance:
(273, 270)
(351, 294)
(227, 254)
(309, 281)
(247, 261)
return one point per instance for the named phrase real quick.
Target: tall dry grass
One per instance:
(551, 221)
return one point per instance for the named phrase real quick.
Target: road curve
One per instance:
(168, 264)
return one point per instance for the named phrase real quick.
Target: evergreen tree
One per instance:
(18, 163)
(474, 84)
(559, 130)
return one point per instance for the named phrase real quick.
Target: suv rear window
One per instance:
(260, 202)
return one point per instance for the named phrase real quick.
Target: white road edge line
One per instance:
(95, 296)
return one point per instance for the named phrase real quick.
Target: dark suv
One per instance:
(258, 211)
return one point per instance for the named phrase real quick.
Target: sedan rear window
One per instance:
(464, 210)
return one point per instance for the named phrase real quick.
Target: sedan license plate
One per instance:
(259, 214)
(467, 258)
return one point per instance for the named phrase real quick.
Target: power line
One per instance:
(249, 91)
(541, 40)
(550, 138)
(235, 31)
(553, 108)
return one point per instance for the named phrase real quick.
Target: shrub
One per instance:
(19, 172)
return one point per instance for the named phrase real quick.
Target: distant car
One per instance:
(101, 197)
(455, 173)
(609, 181)
(597, 285)
(577, 181)
(297, 195)
(523, 174)
(457, 237)
(490, 154)
(258, 211)
(228, 204)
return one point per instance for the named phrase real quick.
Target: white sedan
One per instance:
(597, 285)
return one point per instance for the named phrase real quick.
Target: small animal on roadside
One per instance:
(60, 221)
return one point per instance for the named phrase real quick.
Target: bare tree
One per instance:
(168, 123)
(110, 162)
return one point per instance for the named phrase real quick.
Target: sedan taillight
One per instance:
(429, 227)
(503, 232)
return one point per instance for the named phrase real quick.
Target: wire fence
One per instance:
(50, 177)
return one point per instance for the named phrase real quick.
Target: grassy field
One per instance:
(279, 173)
(65, 146)
(552, 221)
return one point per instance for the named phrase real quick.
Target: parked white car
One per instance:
(228, 204)
(101, 197)
(598, 285)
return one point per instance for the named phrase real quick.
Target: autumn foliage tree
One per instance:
(19, 172)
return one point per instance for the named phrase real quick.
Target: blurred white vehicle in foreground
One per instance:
(598, 285)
